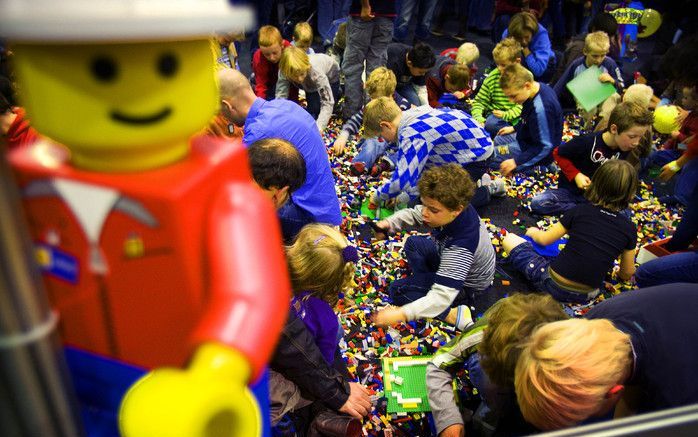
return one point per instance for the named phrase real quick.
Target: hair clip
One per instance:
(350, 254)
(319, 239)
(614, 390)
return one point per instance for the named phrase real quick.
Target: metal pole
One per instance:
(36, 396)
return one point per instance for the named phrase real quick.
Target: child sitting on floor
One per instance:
(317, 75)
(321, 265)
(488, 350)
(428, 137)
(678, 155)
(596, 47)
(491, 106)
(580, 157)
(380, 83)
(447, 77)
(540, 129)
(449, 267)
(598, 234)
(637, 348)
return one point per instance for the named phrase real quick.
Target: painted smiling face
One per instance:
(106, 100)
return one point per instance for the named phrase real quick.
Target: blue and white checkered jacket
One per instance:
(429, 137)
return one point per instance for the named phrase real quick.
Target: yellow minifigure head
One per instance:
(127, 89)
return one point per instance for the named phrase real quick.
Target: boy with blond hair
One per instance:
(596, 47)
(636, 351)
(540, 129)
(427, 137)
(449, 267)
(317, 75)
(380, 83)
(491, 106)
(265, 63)
(303, 37)
(489, 351)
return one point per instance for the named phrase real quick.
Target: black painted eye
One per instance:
(104, 69)
(168, 65)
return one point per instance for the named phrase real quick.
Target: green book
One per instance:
(588, 90)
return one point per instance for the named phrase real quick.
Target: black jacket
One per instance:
(299, 360)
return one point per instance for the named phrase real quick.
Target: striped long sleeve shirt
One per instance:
(491, 97)
(429, 137)
(352, 126)
(467, 259)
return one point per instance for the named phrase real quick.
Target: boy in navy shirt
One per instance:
(582, 156)
(450, 266)
(638, 347)
(540, 129)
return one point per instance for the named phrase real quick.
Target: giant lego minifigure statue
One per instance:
(157, 250)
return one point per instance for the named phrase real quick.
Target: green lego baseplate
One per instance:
(405, 384)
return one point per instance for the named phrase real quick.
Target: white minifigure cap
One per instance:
(76, 21)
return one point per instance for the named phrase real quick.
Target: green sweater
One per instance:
(491, 97)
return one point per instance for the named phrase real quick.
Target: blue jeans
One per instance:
(494, 124)
(408, 92)
(407, 9)
(369, 151)
(505, 147)
(327, 12)
(292, 219)
(555, 202)
(424, 259)
(535, 268)
(678, 267)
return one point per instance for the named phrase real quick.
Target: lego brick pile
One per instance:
(381, 262)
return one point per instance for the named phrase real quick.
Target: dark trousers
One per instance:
(424, 259)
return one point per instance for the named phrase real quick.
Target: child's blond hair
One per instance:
(639, 93)
(381, 83)
(269, 35)
(515, 76)
(303, 35)
(459, 76)
(507, 51)
(294, 62)
(597, 42)
(467, 54)
(511, 321)
(567, 368)
(377, 111)
(318, 262)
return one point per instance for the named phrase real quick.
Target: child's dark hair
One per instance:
(421, 56)
(448, 184)
(604, 22)
(628, 114)
(613, 185)
(276, 163)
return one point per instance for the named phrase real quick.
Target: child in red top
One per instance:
(265, 63)
(678, 154)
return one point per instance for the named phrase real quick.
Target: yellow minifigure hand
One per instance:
(209, 398)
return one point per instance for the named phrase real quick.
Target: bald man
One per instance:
(316, 200)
